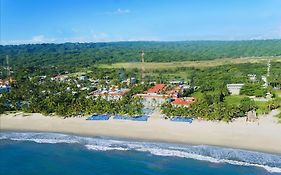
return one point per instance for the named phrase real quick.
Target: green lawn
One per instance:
(234, 99)
(196, 64)
(277, 92)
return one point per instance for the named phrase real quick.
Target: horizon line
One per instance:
(123, 41)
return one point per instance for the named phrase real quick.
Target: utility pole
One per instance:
(268, 72)
(268, 67)
(8, 69)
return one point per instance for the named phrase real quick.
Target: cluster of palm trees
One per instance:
(63, 99)
(210, 105)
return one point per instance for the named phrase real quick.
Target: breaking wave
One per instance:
(270, 162)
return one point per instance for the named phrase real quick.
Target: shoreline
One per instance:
(263, 136)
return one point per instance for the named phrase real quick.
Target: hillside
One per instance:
(83, 54)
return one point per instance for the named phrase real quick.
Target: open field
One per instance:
(196, 64)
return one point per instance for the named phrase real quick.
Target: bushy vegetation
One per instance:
(64, 99)
(85, 54)
(211, 105)
(253, 89)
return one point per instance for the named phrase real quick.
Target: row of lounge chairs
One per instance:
(99, 117)
(133, 118)
(118, 117)
(136, 118)
(181, 119)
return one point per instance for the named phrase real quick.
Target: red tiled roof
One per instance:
(151, 96)
(181, 101)
(156, 89)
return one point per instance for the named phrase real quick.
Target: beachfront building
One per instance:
(185, 101)
(112, 94)
(160, 93)
(175, 91)
(4, 86)
(234, 89)
(154, 96)
(4, 82)
(149, 100)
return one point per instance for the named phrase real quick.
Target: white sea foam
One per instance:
(52, 141)
(177, 153)
(105, 148)
(272, 163)
(3, 137)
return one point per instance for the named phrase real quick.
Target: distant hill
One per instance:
(90, 53)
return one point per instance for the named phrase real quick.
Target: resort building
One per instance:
(154, 96)
(160, 93)
(4, 86)
(112, 94)
(7, 81)
(185, 101)
(153, 100)
(174, 92)
(234, 89)
(157, 89)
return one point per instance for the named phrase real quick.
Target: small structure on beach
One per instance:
(251, 116)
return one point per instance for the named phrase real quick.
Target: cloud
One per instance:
(118, 11)
(91, 36)
(37, 39)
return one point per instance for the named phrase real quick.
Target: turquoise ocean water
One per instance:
(29, 153)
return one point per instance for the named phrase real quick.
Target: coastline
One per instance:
(261, 136)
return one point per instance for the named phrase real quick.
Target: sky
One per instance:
(58, 21)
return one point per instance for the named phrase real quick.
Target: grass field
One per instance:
(234, 99)
(277, 92)
(196, 64)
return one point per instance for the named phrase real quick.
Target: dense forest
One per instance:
(84, 54)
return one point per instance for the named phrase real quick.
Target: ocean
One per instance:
(28, 153)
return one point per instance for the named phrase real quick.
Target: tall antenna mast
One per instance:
(142, 65)
(8, 69)
(268, 68)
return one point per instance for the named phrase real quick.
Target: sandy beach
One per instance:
(260, 136)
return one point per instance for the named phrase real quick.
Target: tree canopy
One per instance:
(84, 54)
